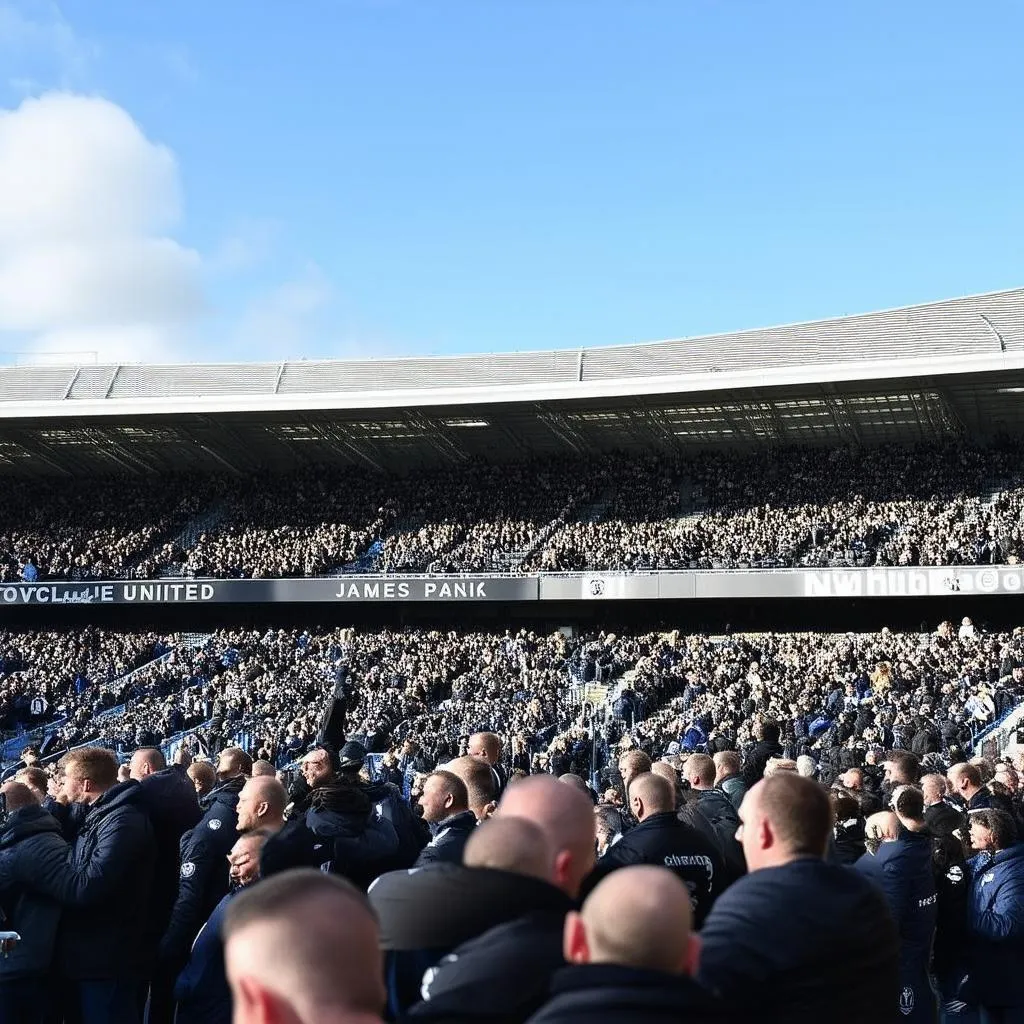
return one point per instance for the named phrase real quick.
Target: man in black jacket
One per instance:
(502, 974)
(661, 839)
(766, 747)
(445, 805)
(633, 956)
(173, 807)
(101, 957)
(941, 817)
(30, 841)
(202, 880)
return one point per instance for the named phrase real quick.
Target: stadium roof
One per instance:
(924, 372)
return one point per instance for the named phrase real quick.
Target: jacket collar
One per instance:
(25, 822)
(462, 820)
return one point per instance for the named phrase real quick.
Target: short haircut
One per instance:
(454, 787)
(94, 764)
(263, 768)
(239, 760)
(636, 761)
(999, 823)
(907, 764)
(204, 770)
(18, 796)
(34, 777)
(491, 742)
(728, 761)
(970, 772)
(909, 803)
(700, 767)
(577, 782)
(153, 756)
(510, 844)
(799, 812)
(657, 793)
(476, 775)
(280, 895)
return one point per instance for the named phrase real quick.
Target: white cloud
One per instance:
(86, 201)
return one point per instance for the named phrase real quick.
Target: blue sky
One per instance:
(407, 176)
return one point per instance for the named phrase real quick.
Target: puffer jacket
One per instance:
(105, 888)
(995, 929)
(30, 843)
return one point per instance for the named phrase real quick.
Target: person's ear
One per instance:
(691, 957)
(765, 835)
(489, 809)
(562, 867)
(575, 947)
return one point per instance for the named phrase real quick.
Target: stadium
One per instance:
(801, 545)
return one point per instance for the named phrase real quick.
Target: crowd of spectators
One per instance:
(774, 508)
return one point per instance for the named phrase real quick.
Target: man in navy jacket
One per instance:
(902, 870)
(445, 804)
(30, 841)
(798, 940)
(101, 956)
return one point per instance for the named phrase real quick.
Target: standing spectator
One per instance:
(101, 957)
(939, 814)
(445, 805)
(965, 783)
(902, 870)
(662, 839)
(766, 747)
(995, 921)
(797, 937)
(728, 776)
(303, 948)
(487, 747)
(30, 842)
(633, 955)
(201, 990)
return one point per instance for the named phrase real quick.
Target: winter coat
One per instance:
(902, 870)
(502, 975)
(735, 789)
(104, 888)
(412, 836)
(30, 843)
(201, 991)
(450, 838)
(170, 800)
(995, 929)
(612, 994)
(203, 872)
(663, 840)
(716, 807)
(794, 944)
(757, 760)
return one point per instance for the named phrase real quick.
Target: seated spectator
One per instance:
(797, 937)
(303, 947)
(634, 956)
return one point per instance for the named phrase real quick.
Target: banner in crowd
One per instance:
(668, 585)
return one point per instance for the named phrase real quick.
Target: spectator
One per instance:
(633, 956)
(201, 990)
(942, 818)
(728, 777)
(662, 839)
(303, 946)
(766, 747)
(487, 747)
(995, 923)
(30, 843)
(203, 777)
(261, 805)
(965, 784)
(797, 936)
(445, 805)
(902, 869)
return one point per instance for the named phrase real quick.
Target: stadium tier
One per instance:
(835, 809)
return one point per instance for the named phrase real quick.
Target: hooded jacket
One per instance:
(995, 929)
(30, 842)
(104, 888)
(612, 994)
(203, 871)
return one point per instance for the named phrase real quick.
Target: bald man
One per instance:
(201, 990)
(502, 974)
(661, 839)
(486, 747)
(261, 804)
(203, 777)
(428, 913)
(634, 956)
(900, 864)
(302, 948)
(480, 782)
(797, 937)
(173, 808)
(30, 842)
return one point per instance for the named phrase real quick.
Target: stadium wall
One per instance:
(666, 586)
